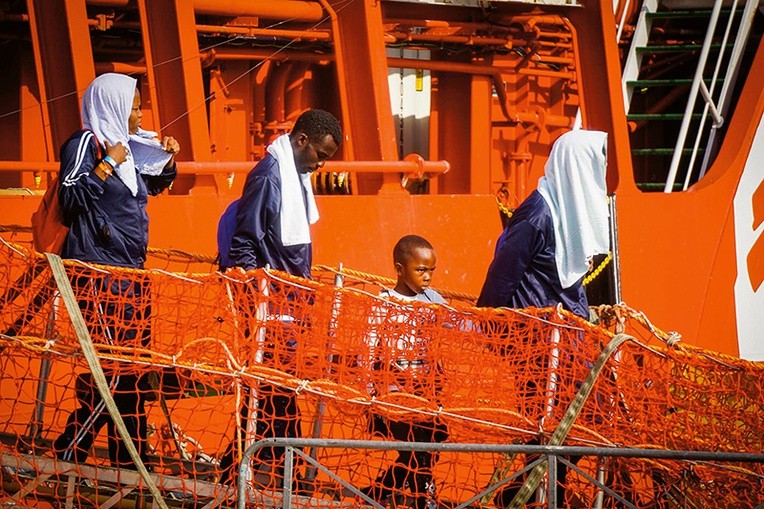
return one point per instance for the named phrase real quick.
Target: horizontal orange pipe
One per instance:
(120, 67)
(456, 39)
(408, 166)
(412, 165)
(263, 54)
(307, 35)
(294, 10)
(433, 65)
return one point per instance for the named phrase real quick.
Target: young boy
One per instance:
(414, 260)
(402, 360)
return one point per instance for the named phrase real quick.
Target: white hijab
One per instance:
(106, 107)
(574, 187)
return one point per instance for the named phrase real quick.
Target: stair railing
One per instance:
(694, 90)
(733, 67)
(708, 97)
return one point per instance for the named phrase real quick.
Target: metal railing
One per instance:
(699, 86)
(550, 454)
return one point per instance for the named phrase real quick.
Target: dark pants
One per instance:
(278, 416)
(117, 312)
(533, 392)
(86, 422)
(412, 469)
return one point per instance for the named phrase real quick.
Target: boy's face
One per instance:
(415, 273)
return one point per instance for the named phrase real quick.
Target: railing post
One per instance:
(288, 464)
(551, 484)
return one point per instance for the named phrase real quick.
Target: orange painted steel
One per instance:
(687, 255)
(361, 61)
(601, 93)
(171, 42)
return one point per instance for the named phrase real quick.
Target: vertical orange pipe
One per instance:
(295, 91)
(275, 88)
(339, 54)
(152, 98)
(64, 64)
(595, 37)
(362, 67)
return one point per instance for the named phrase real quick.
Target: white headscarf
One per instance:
(574, 187)
(106, 107)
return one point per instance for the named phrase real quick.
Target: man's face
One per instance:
(416, 272)
(310, 156)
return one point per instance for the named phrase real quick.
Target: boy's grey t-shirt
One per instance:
(428, 295)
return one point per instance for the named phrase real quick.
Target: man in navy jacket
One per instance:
(269, 226)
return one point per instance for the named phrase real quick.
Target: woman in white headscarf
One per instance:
(544, 252)
(104, 188)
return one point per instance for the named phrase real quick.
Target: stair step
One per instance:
(660, 151)
(657, 186)
(668, 48)
(660, 116)
(700, 13)
(665, 83)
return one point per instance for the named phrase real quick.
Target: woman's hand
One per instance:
(117, 152)
(172, 146)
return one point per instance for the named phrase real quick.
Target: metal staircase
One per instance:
(679, 84)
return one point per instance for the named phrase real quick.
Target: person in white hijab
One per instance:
(107, 172)
(545, 250)
(103, 192)
(543, 254)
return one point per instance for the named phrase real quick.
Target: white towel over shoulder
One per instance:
(295, 220)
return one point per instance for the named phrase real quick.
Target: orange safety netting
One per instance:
(208, 363)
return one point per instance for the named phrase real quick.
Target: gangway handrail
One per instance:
(718, 111)
(552, 451)
(708, 98)
(733, 67)
(694, 89)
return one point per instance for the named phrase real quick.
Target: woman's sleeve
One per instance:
(79, 187)
(155, 184)
(510, 264)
